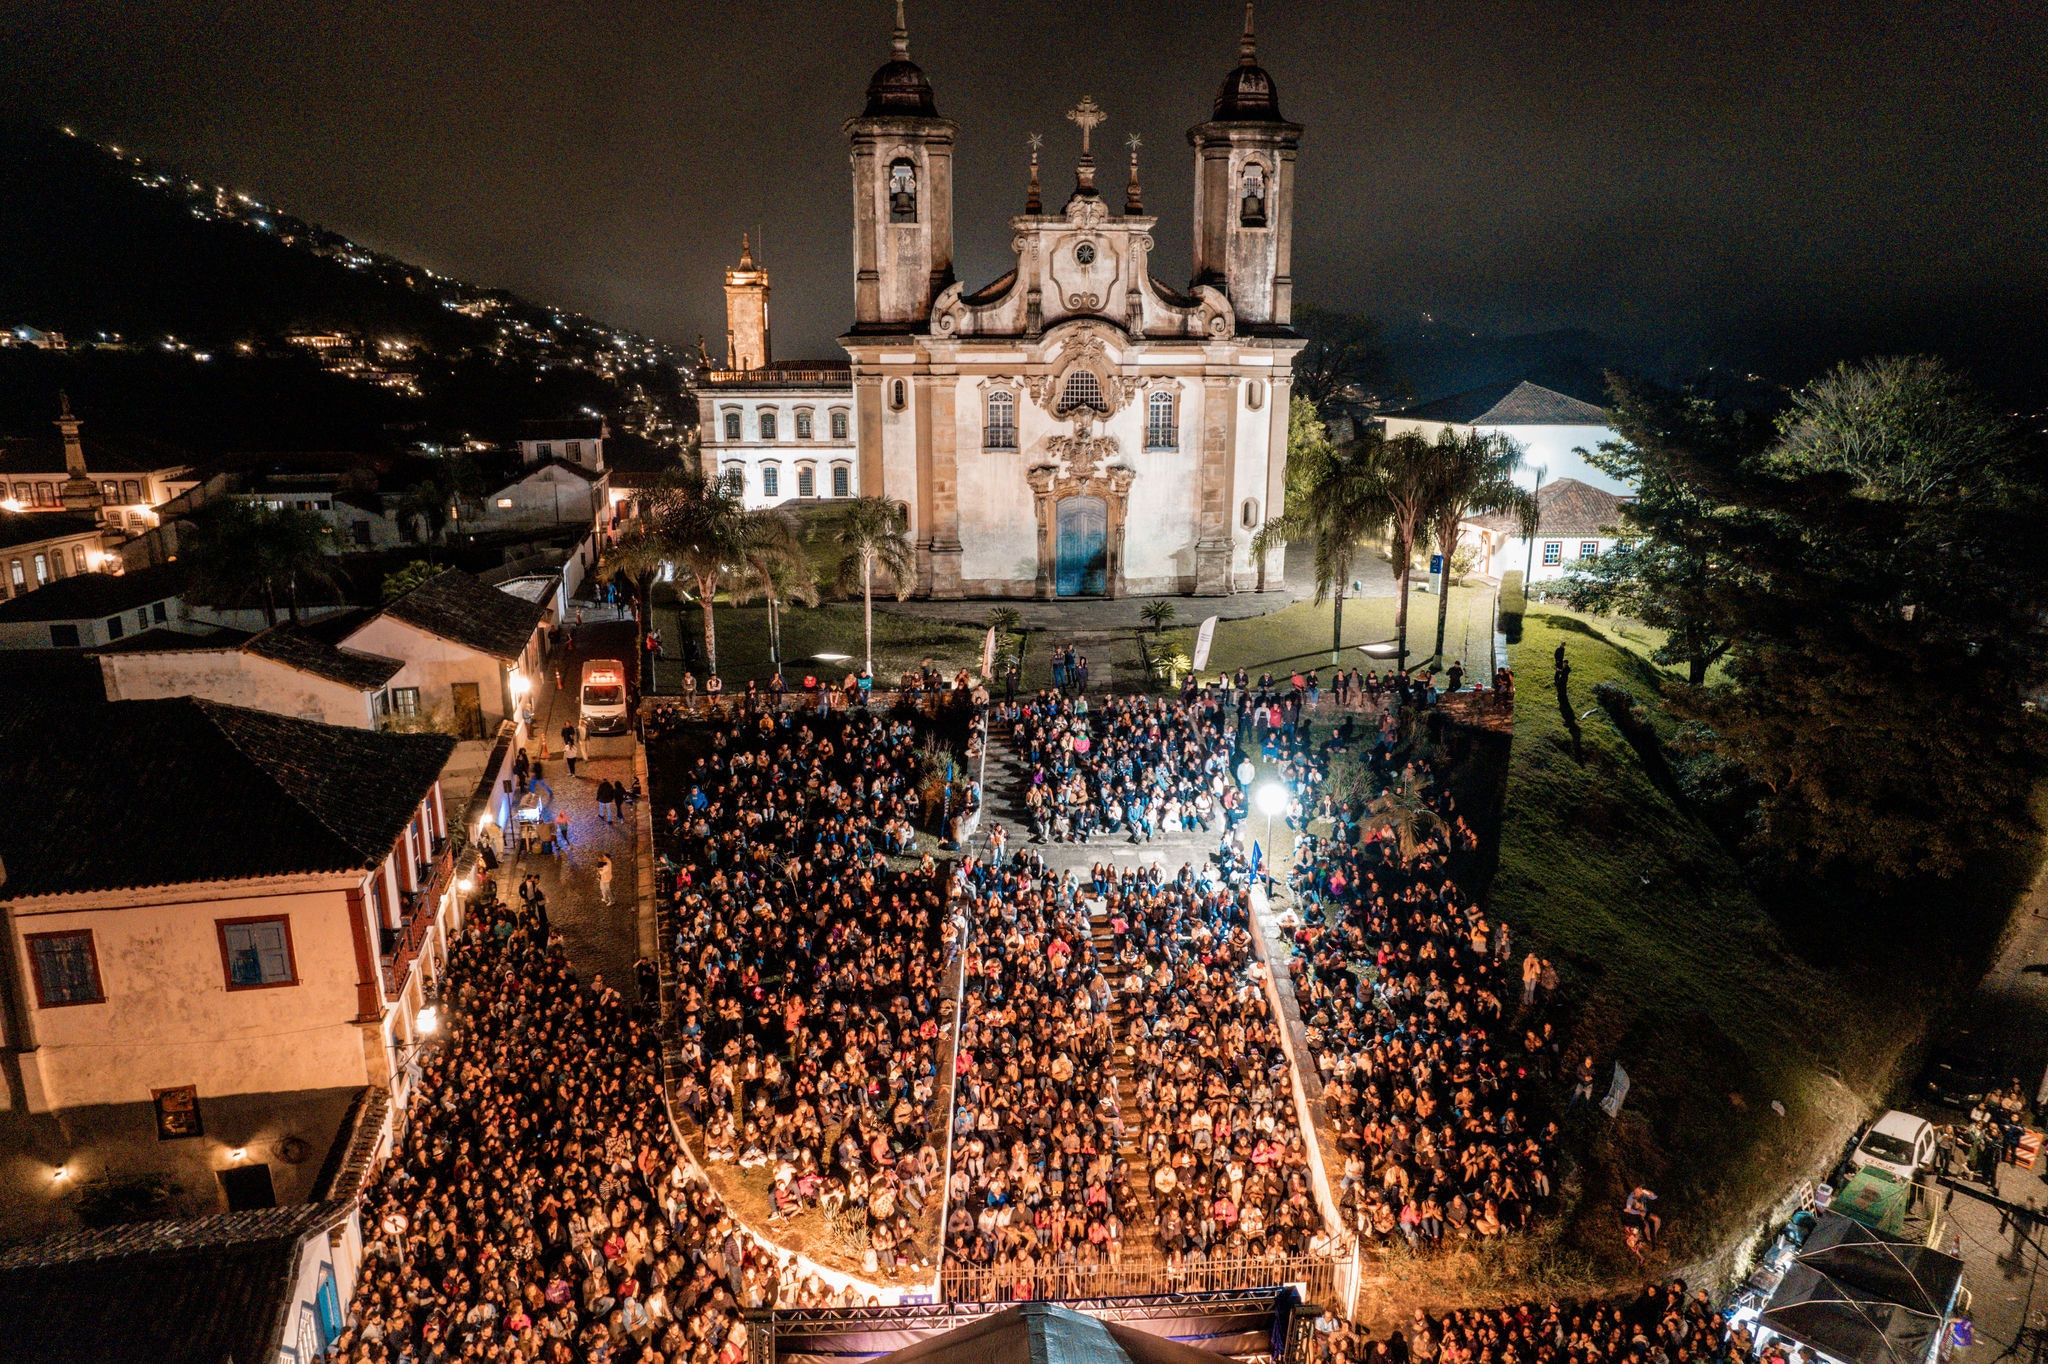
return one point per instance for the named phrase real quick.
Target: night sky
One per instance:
(1670, 174)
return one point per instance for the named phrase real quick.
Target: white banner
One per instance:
(1203, 640)
(988, 654)
(1616, 1092)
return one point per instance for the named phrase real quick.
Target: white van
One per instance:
(1897, 1143)
(604, 697)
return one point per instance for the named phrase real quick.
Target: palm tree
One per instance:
(1336, 498)
(223, 553)
(652, 543)
(300, 548)
(1407, 481)
(1475, 474)
(873, 537)
(425, 506)
(690, 525)
(776, 567)
(1160, 614)
(240, 553)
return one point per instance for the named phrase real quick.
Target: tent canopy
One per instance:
(1042, 1333)
(1863, 1297)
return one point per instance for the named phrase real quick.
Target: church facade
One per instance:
(1076, 427)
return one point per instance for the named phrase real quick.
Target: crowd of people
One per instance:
(1040, 1184)
(535, 1206)
(1411, 996)
(1664, 1324)
(1131, 765)
(807, 964)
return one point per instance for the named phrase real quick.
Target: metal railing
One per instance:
(402, 944)
(791, 378)
(1059, 1283)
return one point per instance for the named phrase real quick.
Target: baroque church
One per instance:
(1075, 427)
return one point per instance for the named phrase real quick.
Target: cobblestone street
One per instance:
(600, 938)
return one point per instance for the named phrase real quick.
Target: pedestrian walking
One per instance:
(604, 879)
(570, 749)
(606, 794)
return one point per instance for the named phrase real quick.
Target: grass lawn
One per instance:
(831, 628)
(1299, 635)
(1719, 1005)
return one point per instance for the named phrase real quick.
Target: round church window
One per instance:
(1085, 253)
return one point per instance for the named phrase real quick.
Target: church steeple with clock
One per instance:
(1075, 427)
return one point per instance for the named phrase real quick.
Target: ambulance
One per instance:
(604, 697)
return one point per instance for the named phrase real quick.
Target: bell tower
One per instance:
(1244, 195)
(746, 312)
(902, 155)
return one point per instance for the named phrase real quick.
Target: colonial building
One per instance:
(773, 431)
(87, 610)
(1551, 428)
(1574, 521)
(1075, 427)
(284, 670)
(233, 938)
(121, 482)
(40, 548)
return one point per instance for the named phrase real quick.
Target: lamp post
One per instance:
(1272, 798)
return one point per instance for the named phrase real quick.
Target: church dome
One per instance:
(1248, 94)
(898, 89)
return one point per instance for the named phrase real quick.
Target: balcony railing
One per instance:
(400, 946)
(782, 378)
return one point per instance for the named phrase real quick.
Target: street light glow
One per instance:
(1272, 799)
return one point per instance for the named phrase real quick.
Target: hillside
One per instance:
(189, 313)
(1722, 1004)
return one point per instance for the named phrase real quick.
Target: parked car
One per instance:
(1897, 1143)
(1960, 1074)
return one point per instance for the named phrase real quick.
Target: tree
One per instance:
(1888, 626)
(1668, 567)
(872, 536)
(653, 543)
(775, 566)
(1408, 486)
(1474, 474)
(400, 581)
(1336, 498)
(1159, 614)
(1342, 360)
(423, 508)
(241, 554)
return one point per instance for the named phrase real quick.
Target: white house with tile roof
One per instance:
(1550, 427)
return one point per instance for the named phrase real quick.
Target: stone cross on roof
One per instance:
(1088, 115)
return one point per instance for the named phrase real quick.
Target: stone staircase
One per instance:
(1141, 1220)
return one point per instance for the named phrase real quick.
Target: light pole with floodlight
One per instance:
(1272, 798)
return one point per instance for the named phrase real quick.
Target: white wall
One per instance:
(1511, 556)
(168, 1017)
(434, 665)
(786, 451)
(1553, 448)
(238, 679)
(549, 496)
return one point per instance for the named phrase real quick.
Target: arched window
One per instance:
(839, 426)
(732, 426)
(1082, 390)
(735, 480)
(842, 481)
(902, 191)
(131, 490)
(1250, 515)
(1162, 427)
(999, 432)
(899, 394)
(768, 426)
(803, 424)
(806, 481)
(111, 491)
(771, 480)
(1251, 209)
(1254, 395)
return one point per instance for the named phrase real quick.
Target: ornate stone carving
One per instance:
(1084, 351)
(1076, 466)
